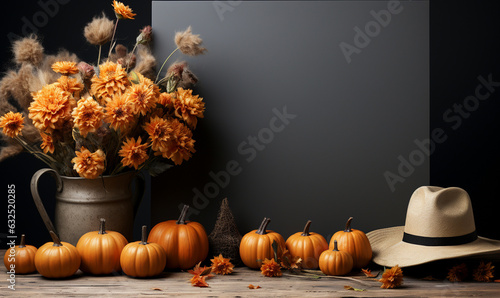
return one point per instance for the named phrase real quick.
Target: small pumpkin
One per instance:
(100, 250)
(143, 259)
(335, 262)
(57, 259)
(308, 246)
(355, 243)
(256, 245)
(185, 242)
(22, 257)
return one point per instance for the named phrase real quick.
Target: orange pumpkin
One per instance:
(335, 262)
(21, 257)
(256, 246)
(57, 259)
(185, 242)
(308, 246)
(143, 259)
(100, 250)
(355, 243)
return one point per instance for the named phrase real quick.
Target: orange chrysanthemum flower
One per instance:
(47, 144)
(70, 85)
(87, 115)
(112, 81)
(141, 98)
(89, 165)
(270, 268)
(12, 124)
(133, 152)
(188, 107)
(165, 99)
(391, 278)
(119, 113)
(181, 144)
(220, 265)
(484, 272)
(122, 11)
(50, 108)
(457, 273)
(65, 68)
(159, 131)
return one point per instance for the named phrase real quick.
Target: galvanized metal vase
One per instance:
(81, 203)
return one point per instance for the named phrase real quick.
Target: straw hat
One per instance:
(439, 225)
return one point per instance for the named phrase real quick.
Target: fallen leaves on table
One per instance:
(289, 262)
(221, 265)
(156, 289)
(252, 287)
(200, 275)
(368, 273)
(354, 289)
(391, 278)
(483, 273)
(458, 273)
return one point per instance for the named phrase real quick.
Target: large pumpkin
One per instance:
(335, 262)
(143, 259)
(256, 246)
(355, 243)
(185, 242)
(22, 257)
(308, 246)
(100, 250)
(57, 259)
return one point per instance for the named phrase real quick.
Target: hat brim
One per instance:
(389, 250)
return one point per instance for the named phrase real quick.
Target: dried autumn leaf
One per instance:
(429, 277)
(290, 262)
(252, 287)
(368, 273)
(353, 289)
(199, 281)
(198, 270)
(156, 289)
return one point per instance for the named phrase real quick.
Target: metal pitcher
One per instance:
(80, 203)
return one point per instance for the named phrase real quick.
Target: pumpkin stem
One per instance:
(306, 229)
(335, 246)
(144, 235)
(182, 217)
(23, 241)
(55, 239)
(348, 225)
(263, 226)
(102, 227)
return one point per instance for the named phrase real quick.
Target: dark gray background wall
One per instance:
(352, 118)
(464, 44)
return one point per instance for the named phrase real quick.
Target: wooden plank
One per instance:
(177, 283)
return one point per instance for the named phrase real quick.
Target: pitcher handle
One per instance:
(38, 200)
(139, 191)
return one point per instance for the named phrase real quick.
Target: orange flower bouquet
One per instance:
(89, 121)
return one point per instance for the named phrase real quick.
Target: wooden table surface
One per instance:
(236, 284)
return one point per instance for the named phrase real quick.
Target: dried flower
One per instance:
(142, 99)
(112, 81)
(119, 113)
(65, 68)
(70, 85)
(270, 268)
(87, 115)
(12, 124)
(86, 70)
(199, 281)
(220, 265)
(200, 274)
(188, 43)
(146, 62)
(50, 108)
(457, 273)
(123, 11)
(99, 31)
(289, 262)
(47, 144)
(28, 50)
(181, 144)
(165, 99)
(133, 152)
(188, 107)
(89, 165)
(484, 272)
(391, 278)
(145, 36)
(159, 131)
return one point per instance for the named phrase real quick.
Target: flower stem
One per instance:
(99, 57)
(130, 56)
(164, 62)
(112, 38)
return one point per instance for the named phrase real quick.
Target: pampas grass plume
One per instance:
(28, 50)
(99, 31)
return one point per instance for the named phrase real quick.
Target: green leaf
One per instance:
(354, 289)
(158, 167)
(134, 79)
(275, 249)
